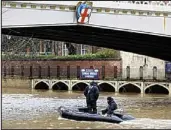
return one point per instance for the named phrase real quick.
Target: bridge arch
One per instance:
(162, 3)
(106, 87)
(137, 2)
(129, 87)
(41, 85)
(60, 86)
(156, 88)
(168, 4)
(146, 2)
(79, 86)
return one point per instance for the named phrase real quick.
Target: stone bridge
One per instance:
(105, 86)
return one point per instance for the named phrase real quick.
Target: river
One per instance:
(37, 109)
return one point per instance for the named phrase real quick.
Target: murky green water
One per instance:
(24, 108)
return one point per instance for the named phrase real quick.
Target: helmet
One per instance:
(109, 98)
(92, 83)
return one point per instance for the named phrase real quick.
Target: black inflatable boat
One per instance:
(81, 115)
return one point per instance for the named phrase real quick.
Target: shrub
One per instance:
(108, 53)
(105, 53)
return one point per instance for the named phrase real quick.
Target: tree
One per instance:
(71, 48)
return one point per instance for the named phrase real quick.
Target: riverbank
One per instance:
(31, 109)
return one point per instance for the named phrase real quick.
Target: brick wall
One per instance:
(109, 65)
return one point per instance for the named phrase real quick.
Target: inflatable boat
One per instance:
(80, 114)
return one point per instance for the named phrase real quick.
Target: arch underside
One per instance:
(136, 42)
(129, 88)
(41, 85)
(105, 87)
(156, 89)
(79, 86)
(59, 86)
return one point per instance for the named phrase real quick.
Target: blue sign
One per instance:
(89, 74)
(168, 67)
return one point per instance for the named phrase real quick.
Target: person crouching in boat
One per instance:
(111, 107)
(91, 93)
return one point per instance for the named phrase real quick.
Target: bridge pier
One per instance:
(170, 89)
(142, 88)
(32, 84)
(70, 86)
(50, 85)
(116, 87)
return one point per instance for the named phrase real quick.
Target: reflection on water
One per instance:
(26, 108)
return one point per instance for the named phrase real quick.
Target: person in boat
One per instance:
(91, 93)
(111, 107)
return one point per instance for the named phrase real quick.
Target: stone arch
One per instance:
(150, 89)
(153, 2)
(161, 3)
(109, 87)
(41, 85)
(146, 2)
(81, 82)
(80, 86)
(60, 86)
(134, 87)
(168, 4)
(137, 2)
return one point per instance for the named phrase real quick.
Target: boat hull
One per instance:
(81, 115)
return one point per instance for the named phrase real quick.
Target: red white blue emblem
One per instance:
(83, 12)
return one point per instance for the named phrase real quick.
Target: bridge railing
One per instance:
(69, 72)
(159, 3)
(139, 5)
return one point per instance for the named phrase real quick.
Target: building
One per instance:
(136, 66)
(64, 48)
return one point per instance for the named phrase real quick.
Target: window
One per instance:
(64, 50)
(141, 72)
(145, 62)
(154, 72)
(128, 72)
(49, 47)
(83, 49)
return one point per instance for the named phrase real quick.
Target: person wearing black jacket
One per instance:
(91, 93)
(111, 107)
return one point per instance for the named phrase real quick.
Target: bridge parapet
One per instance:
(153, 8)
(154, 3)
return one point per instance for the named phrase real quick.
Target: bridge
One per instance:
(139, 27)
(143, 87)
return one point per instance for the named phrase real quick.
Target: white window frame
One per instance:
(64, 50)
(83, 49)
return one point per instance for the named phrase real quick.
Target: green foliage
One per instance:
(102, 54)
(108, 53)
(69, 57)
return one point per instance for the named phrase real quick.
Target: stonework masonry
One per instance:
(135, 61)
(16, 83)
